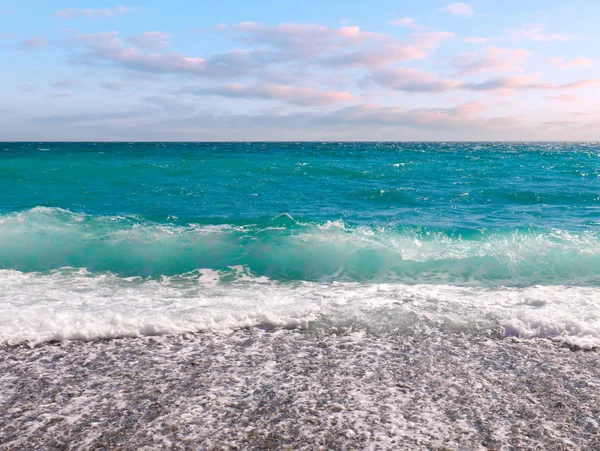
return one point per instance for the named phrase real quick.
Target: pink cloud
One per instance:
(342, 47)
(388, 53)
(71, 13)
(110, 47)
(562, 63)
(458, 9)
(493, 58)
(272, 91)
(419, 46)
(566, 98)
(303, 39)
(295, 47)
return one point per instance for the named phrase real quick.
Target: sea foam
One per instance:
(72, 303)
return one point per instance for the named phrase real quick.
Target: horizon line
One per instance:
(296, 141)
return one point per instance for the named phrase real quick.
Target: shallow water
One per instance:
(287, 389)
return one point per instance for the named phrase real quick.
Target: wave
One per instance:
(72, 303)
(284, 249)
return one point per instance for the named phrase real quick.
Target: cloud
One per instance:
(87, 117)
(493, 58)
(294, 47)
(413, 81)
(343, 47)
(110, 48)
(475, 40)
(303, 39)
(375, 115)
(566, 98)
(33, 43)
(150, 40)
(114, 86)
(526, 82)
(66, 83)
(170, 105)
(270, 91)
(419, 46)
(408, 22)
(358, 122)
(561, 63)
(72, 13)
(458, 9)
(535, 33)
(403, 22)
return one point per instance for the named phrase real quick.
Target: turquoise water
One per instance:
(481, 216)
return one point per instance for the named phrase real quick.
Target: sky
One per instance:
(327, 70)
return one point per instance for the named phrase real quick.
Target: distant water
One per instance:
(126, 239)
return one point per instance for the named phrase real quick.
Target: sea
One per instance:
(107, 240)
(300, 295)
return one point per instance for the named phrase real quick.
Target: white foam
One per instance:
(74, 304)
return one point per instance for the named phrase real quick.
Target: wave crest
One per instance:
(282, 248)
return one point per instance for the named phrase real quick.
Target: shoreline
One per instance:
(298, 389)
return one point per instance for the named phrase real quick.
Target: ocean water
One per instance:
(129, 239)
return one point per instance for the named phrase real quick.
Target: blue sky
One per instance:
(300, 70)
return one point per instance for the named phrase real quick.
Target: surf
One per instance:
(285, 249)
(74, 304)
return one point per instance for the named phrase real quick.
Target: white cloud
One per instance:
(413, 81)
(111, 48)
(493, 58)
(72, 13)
(404, 22)
(535, 33)
(458, 9)
(475, 40)
(151, 40)
(526, 82)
